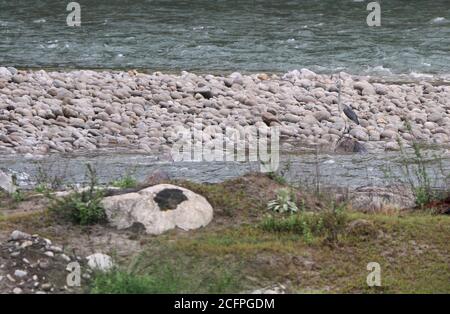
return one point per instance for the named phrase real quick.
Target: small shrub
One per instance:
(42, 188)
(45, 181)
(306, 224)
(417, 173)
(279, 177)
(126, 182)
(18, 196)
(81, 207)
(284, 203)
(276, 177)
(329, 224)
(334, 221)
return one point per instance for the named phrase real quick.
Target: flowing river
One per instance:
(345, 170)
(211, 36)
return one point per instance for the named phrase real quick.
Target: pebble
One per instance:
(46, 286)
(392, 146)
(84, 110)
(55, 249)
(65, 257)
(20, 273)
(10, 278)
(49, 254)
(26, 244)
(44, 264)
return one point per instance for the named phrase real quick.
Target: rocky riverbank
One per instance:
(42, 112)
(245, 247)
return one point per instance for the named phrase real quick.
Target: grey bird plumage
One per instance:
(346, 111)
(349, 113)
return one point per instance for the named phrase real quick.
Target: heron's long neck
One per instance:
(339, 95)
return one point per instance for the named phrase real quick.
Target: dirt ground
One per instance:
(233, 254)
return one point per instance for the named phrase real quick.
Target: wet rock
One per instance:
(359, 134)
(269, 118)
(5, 73)
(350, 145)
(392, 146)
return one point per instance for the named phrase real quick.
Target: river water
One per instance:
(229, 35)
(222, 36)
(341, 170)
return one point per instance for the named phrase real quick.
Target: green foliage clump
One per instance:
(81, 207)
(284, 202)
(125, 182)
(18, 196)
(162, 279)
(417, 172)
(123, 282)
(328, 224)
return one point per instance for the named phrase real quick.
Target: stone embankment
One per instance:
(42, 112)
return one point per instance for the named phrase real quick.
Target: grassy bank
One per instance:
(249, 247)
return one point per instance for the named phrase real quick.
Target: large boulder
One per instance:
(7, 182)
(376, 199)
(158, 209)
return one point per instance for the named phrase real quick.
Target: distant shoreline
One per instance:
(395, 78)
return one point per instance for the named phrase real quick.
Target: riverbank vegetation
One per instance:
(323, 247)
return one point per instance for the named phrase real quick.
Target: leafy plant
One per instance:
(279, 177)
(45, 181)
(416, 172)
(17, 196)
(328, 223)
(82, 207)
(123, 282)
(125, 182)
(284, 202)
(306, 224)
(334, 220)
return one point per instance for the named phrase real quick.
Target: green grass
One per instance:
(223, 260)
(328, 223)
(277, 178)
(225, 201)
(18, 196)
(167, 271)
(242, 249)
(418, 173)
(125, 182)
(123, 282)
